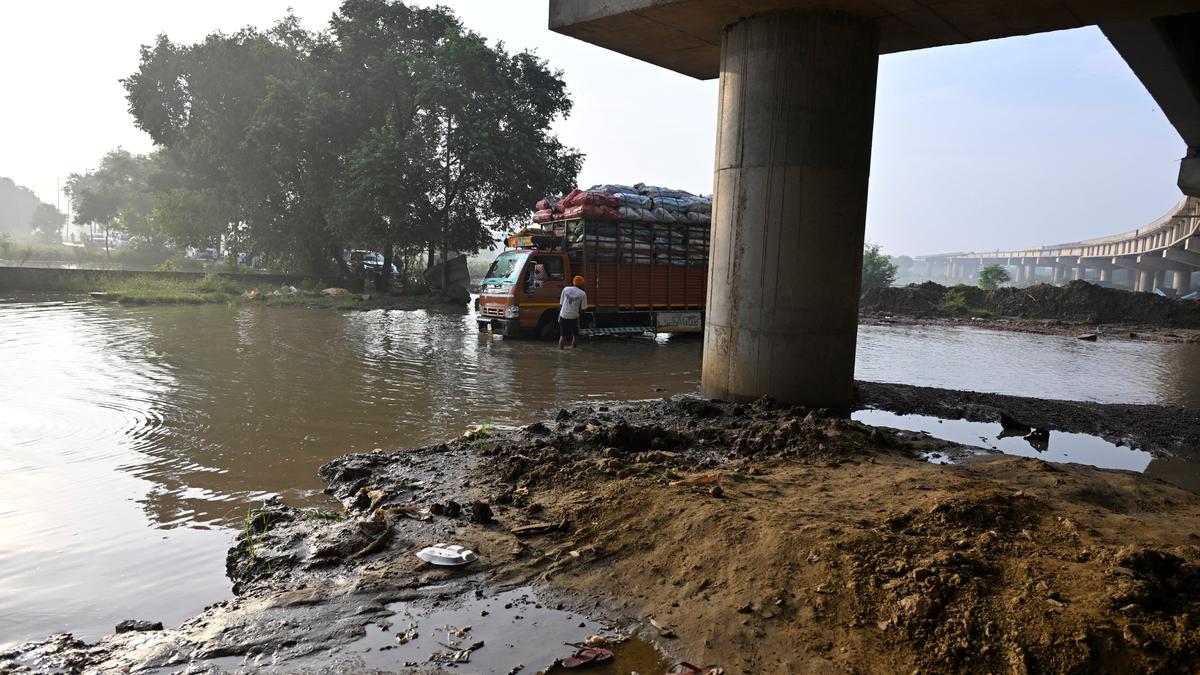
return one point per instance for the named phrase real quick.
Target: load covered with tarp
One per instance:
(639, 203)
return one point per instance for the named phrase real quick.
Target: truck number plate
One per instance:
(678, 322)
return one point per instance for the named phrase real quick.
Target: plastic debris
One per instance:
(447, 555)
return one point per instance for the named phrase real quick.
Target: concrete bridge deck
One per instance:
(1160, 256)
(795, 117)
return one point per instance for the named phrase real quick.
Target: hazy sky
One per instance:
(1010, 143)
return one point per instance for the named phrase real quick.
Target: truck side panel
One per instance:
(629, 286)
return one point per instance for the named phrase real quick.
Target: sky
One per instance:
(1004, 144)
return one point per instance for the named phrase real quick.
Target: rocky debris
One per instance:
(131, 625)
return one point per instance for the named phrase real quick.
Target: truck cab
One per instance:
(519, 294)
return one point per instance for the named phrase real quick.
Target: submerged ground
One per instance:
(766, 538)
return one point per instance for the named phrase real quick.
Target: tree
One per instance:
(47, 223)
(396, 129)
(116, 196)
(992, 276)
(17, 204)
(877, 271)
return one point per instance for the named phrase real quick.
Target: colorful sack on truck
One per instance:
(699, 205)
(548, 204)
(591, 212)
(661, 215)
(671, 203)
(613, 188)
(581, 198)
(544, 216)
(634, 214)
(656, 191)
(633, 199)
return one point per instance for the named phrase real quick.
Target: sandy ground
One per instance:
(765, 538)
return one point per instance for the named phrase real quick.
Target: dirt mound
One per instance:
(1076, 302)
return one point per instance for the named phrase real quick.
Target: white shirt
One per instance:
(573, 301)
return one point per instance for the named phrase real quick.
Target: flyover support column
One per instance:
(1080, 271)
(795, 116)
(1145, 281)
(1106, 275)
(1183, 282)
(1159, 280)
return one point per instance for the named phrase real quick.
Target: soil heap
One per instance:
(766, 538)
(1076, 302)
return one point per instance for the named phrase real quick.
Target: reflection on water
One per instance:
(132, 440)
(1060, 447)
(1026, 364)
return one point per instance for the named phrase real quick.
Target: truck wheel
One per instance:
(549, 329)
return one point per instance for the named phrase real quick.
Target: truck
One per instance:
(639, 277)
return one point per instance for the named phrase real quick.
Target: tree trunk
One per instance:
(445, 270)
(384, 283)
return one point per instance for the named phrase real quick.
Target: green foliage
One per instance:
(47, 223)
(877, 270)
(396, 130)
(992, 276)
(17, 204)
(954, 303)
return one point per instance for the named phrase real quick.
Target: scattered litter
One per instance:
(536, 528)
(447, 554)
(663, 629)
(335, 292)
(586, 655)
(596, 640)
(408, 635)
(1088, 337)
(685, 668)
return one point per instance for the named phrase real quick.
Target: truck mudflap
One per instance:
(505, 327)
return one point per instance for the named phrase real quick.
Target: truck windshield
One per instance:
(506, 268)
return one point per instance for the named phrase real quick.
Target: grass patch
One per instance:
(149, 290)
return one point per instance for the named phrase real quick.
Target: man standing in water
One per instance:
(573, 301)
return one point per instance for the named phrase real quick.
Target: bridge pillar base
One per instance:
(1183, 282)
(795, 116)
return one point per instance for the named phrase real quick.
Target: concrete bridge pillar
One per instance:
(1159, 280)
(1080, 271)
(1145, 281)
(795, 116)
(1106, 275)
(1183, 282)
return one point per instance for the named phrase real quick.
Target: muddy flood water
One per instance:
(133, 439)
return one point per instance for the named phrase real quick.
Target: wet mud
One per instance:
(763, 537)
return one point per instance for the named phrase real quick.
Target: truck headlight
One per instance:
(512, 312)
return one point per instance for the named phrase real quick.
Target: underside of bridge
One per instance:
(795, 118)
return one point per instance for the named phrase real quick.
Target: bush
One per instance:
(992, 276)
(878, 270)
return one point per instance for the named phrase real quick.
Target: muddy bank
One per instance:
(1040, 308)
(1164, 431)
(767, 538)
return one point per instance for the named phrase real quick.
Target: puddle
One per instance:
(519, 633)
(1059, 447)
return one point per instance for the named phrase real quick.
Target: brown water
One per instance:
(132, 440)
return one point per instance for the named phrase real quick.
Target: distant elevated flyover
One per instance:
(795, 116)
(1162, 255)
